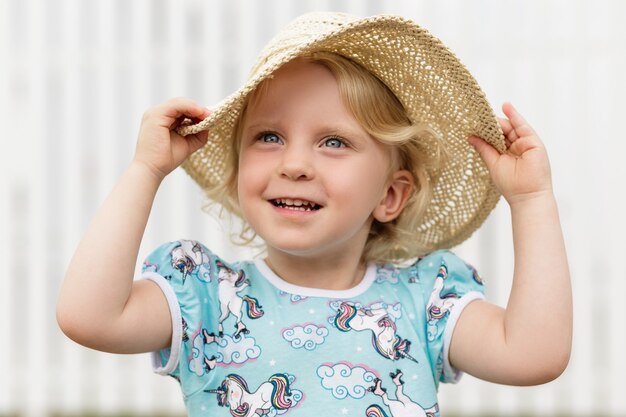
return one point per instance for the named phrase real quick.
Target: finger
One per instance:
(197, 140)
(507, 128)
(509, 134)
(488, 153)
(518, 123)
(177, 122)
(519, 147)
(180, 108)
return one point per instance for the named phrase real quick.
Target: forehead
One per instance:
(296, 87)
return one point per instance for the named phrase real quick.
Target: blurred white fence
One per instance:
(76, 76)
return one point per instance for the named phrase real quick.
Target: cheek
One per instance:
(364, 182)
(250, 178)
(244, 175)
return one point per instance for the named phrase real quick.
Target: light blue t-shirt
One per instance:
(247, 343)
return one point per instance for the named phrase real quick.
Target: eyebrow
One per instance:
(324, 129)
(259, 126)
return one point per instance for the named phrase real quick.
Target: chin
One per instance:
(294, 249)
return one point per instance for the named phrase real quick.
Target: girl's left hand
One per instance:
(524, 170)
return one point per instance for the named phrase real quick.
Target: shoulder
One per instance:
(181, 259)
(177, 251)
(444, 264)
(447, 258)
(429, 270)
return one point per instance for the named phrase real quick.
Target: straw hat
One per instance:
(428, 79)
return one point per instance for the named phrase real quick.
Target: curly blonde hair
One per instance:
(416, 148)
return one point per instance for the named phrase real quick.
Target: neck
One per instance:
(340, 272)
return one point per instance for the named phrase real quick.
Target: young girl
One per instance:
(348, 152)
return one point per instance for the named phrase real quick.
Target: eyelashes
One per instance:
(269, 137)
(335, 142)
(332, 141)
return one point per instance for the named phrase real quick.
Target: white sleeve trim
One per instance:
(177, 336)
(451, 374)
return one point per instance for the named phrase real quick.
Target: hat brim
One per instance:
(428, 79)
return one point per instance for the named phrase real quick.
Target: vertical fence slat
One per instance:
(37, 273)
(612, 108)
(8, 183)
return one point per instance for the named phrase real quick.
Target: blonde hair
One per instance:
(416, 148)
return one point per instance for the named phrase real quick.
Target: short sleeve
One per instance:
(449, 285)
(182, 269)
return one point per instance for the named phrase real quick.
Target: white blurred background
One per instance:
(76, 76)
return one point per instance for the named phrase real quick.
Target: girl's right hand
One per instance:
(159, 147)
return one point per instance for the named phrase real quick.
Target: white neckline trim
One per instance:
(281, 284)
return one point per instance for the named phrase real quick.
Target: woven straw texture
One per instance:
(428, 79)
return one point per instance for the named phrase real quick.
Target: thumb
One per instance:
(488, 153)
(197, 141)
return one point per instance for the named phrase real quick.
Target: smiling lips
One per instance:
(295, 204)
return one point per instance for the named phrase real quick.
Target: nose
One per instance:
(297, 163)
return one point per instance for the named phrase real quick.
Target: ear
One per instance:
(397, 194)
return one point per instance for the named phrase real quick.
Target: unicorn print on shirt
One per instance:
(189, 257)
(439, 304)
(230, 283)
(402, 406)
(273, 395)
(377, 320)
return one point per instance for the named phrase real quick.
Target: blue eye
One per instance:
(334, 143)
(269, 138)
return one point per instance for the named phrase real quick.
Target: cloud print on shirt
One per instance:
(196, 359)
(294, 298)
(307, 336)
(344, 379)
(238, 350)
(222, 351)
(387, 273)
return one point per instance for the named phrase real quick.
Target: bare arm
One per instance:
(529, 342)
(100, 306)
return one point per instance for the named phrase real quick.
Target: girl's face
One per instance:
(311, 179)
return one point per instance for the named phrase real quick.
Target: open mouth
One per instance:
(295, 204)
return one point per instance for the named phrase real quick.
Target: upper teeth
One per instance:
(290, 202)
